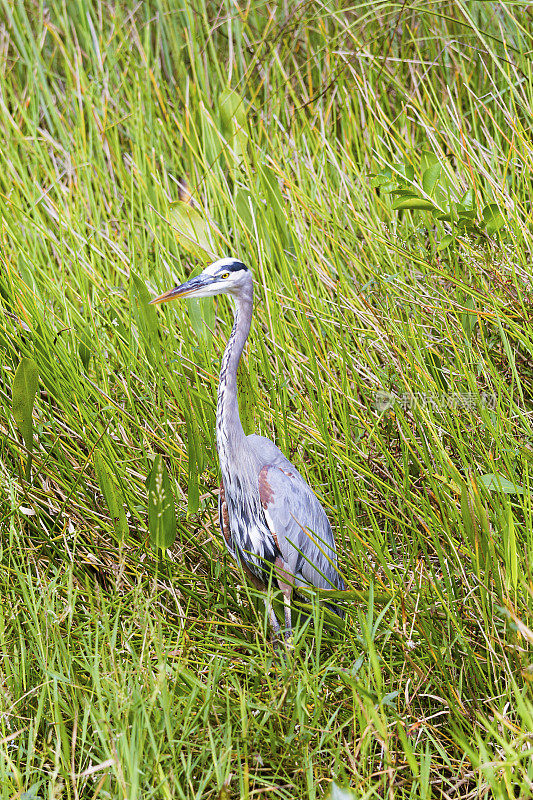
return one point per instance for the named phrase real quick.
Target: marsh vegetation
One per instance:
(372, 165)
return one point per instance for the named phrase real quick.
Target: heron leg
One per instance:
(274, 624)
(287, 592)
(283, 576)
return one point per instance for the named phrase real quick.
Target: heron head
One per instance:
(226, 276)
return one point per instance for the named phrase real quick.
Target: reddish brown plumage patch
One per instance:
(266, 492)
(284, 577)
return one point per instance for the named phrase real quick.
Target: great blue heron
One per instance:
(270, 519)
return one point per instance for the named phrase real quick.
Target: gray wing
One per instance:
(299, 526)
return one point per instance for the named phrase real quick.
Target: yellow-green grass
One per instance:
(127, 675)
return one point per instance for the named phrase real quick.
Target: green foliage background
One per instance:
(304, 134)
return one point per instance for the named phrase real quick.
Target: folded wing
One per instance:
(300, 528)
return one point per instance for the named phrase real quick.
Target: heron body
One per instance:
(271, 520)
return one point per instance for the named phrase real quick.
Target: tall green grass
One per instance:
(124, 674)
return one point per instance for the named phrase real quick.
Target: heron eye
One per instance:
(225, 275)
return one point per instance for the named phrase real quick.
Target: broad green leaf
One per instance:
(384, 179)
(493, 219)
(161, 506)
(404, 192)
(385, 173)
(497, 483)
(430, 178)
(270, 186)
(146, 318)
(84, 347)
(275, 204)
(468, 320)
(112, 495)
(233, 115)
(444, 216)
(244, 211)
(194, 455)
(428, 159)
(482, 517)
(511, 551)
(25, 272)
(406, 172)
(25, 385)
(445, 242)
(467, 201)
(413, 202)
(466, 223)
(202, 315)
(232, 107)
(32, 793)
(408, 749)
(391, 187)
(380, 180)
(192, 230)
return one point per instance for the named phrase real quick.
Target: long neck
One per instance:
(230, 433)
